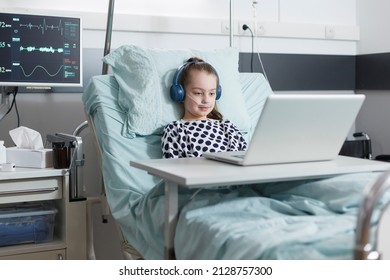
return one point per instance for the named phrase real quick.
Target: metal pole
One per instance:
(107, 44)
(364, 250)
(80, 128)
(231, 29)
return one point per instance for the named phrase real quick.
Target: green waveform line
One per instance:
(44, 69)
(41, 49)
(44, 26)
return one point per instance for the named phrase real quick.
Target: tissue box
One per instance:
(30, 158)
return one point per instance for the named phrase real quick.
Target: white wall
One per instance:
(374, 118)
(290, 27)
(373, 19)
(286, 26)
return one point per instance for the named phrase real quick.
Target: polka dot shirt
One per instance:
(192, 138)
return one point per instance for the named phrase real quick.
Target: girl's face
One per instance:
(200, 95)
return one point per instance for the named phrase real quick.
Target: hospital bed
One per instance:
(330, 218)
(300, 219)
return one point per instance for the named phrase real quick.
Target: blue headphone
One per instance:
(177, 92)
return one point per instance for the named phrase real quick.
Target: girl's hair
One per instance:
(199, 65)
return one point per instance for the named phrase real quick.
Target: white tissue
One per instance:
(26, 138)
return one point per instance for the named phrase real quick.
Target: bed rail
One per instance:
(364, 249)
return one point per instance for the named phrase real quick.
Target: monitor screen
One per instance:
(40, 50)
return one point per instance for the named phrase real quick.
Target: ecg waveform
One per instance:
(41, 49)
(40, 67)
(44, 27)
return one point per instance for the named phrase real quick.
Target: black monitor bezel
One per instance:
(48, 86)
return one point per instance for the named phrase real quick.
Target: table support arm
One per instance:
(171, 213)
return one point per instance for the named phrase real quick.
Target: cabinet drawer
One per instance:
(44, 255)
(30, 190)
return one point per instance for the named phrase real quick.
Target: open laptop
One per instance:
(298, 128)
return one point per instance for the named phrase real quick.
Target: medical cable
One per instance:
(14, 93)
(254, 3)
(246, 27)
(16, 110)
(202, 104)
(262, 67)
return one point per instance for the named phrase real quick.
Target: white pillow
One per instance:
(145, 76)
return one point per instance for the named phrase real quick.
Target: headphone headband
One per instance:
(177, 91)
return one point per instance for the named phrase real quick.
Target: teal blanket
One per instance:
(314, 219)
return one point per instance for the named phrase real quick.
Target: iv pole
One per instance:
(231, 24)
(107, 44)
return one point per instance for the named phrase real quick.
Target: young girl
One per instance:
(202, 128)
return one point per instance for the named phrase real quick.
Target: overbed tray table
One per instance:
(201, 173)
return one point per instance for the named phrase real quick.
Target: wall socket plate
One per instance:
(330, 32)
(251, 25)
(258, 29)
(225, 27)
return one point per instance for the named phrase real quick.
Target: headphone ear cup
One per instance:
(218, 92)
(177, 93)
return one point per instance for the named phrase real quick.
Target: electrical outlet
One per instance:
(225, 27)
(258, 29)
(330, 32)
(241, 31)
(261, 30)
